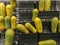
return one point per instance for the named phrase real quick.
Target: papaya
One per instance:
(9, 37)
(30, 27)
(13, 22)
(54, 24)
(7, 22)
(2, 23)
(38, 25)
(22, 28)
(35, 14)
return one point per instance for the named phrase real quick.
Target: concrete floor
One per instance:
(1, 41)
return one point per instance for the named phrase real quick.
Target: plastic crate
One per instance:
(28, 39)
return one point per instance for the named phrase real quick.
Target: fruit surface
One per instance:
(41, 5)
(35, 14)
(47, 5)
(47, 42)
(13, 22)
(2, 9)
(2, 25)
(54, 24)
(9, 10)
(13, 3)
(22, 28)
(30, 27)
(9, 36)
(59, 26)
(38, 25)
(7, 22)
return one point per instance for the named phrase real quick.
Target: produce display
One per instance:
(9, 36)
(8, 22)
(47, 42)
(44, 5)
(54, 24)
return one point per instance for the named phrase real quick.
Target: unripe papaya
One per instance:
(41, 5)
(30, 27)
(7, 22)
(47, 42)
(13, 3)
(22, 28)
(54, 24)
(47, 5)
(9, 37)
(2, 25)
(35, 14)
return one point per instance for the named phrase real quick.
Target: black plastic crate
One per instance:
(26, 5)
(26, 15)
(48, 14)
(28, 39)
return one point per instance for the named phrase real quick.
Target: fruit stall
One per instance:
(29, 22)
